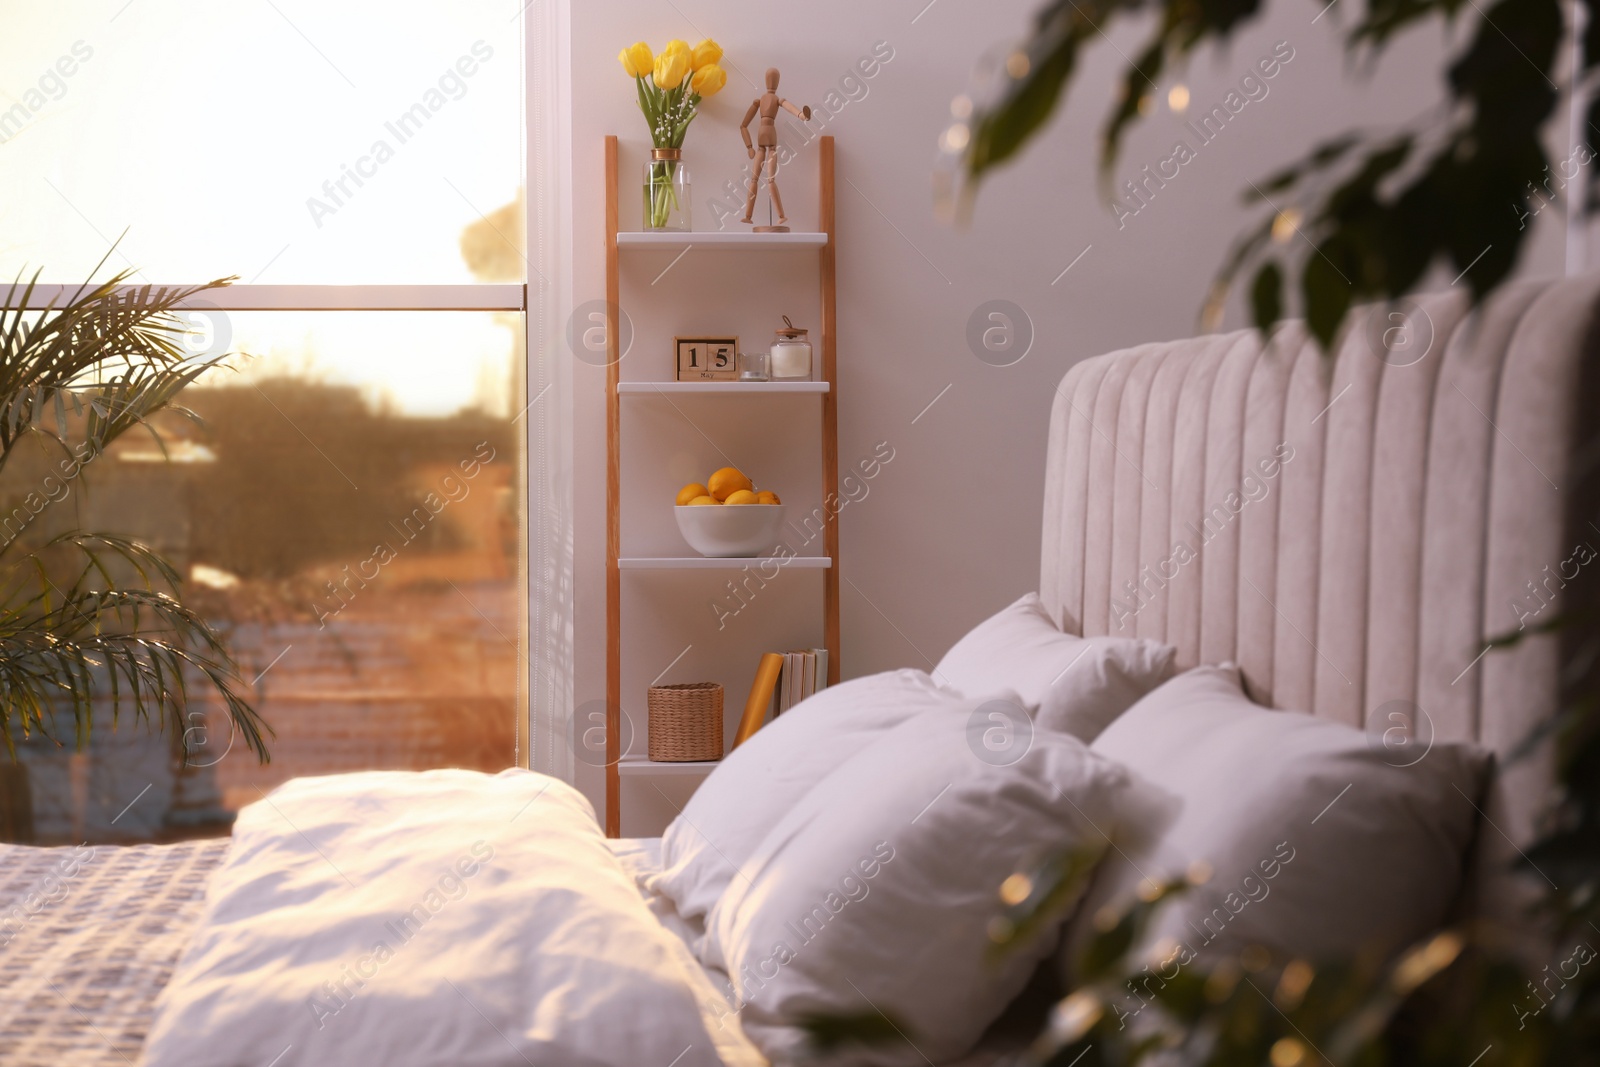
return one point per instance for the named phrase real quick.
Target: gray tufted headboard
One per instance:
(1352, 534)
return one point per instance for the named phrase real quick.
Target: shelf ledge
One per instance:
(640, 765)
(718, 240)
(708, 563)
(721, 388)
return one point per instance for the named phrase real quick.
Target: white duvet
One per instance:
(439, 918)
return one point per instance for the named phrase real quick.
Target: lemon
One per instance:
(690, 491)
(741, 496)
(727, 480)
(701, 500)
(767, 496)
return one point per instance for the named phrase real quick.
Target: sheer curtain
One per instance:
(549, 516)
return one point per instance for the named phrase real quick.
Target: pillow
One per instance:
(1319, 845)
(1079, 685)
(746, 795)
(877, 890)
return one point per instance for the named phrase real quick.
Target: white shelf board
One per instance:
(629, 765)
(720, 240)
(707, 563)
(722, 388)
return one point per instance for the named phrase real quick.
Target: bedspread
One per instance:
(88, 936)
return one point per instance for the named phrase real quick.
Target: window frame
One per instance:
(545, 690)
(315, 297)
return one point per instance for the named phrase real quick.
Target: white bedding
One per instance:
(642, 857)
(447, 917)
(79, 980)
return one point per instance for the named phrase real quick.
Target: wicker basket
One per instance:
(685, 722)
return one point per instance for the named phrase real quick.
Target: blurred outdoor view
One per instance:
(360, 554)
(350, 513)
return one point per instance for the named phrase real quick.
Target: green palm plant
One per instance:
(86, 617)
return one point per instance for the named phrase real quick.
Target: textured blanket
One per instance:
(88, 936)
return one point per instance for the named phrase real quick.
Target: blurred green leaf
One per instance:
(829, 1033)
(1391, 208)
(1327, 291)
(1266, 296)
(1050, 890)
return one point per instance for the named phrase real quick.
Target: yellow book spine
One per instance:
(755, 708)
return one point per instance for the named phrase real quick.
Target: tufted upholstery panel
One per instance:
(1349, 531)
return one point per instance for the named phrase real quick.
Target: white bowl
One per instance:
(724, 531)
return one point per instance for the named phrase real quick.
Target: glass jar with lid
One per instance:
(790, 359)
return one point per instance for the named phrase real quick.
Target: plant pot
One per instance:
(16, 803)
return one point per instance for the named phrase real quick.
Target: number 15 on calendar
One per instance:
(707, 359)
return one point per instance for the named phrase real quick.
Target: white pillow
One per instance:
(1319, 845)
(877, 890)
(1079, 685)
(742, 799)
(418, 919)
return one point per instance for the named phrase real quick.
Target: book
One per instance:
(792, 687)
(780, 698)
(759, 702)
(798, 674)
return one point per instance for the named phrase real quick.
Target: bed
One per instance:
(1436, 493)
(1428, 504)
(106, 926)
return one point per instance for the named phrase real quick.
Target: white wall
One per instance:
(949, 530)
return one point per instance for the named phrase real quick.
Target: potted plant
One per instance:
(671, 86)
(89, 618)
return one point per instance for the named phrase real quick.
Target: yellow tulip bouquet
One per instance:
(671, 86)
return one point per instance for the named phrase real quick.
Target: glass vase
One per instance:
(666, 191)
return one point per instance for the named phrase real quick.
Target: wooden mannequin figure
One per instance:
(765, 149)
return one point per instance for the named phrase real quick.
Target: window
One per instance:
(288, 143)
(353, 514)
